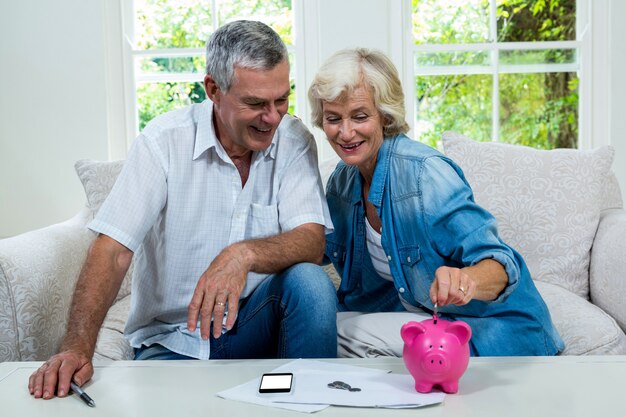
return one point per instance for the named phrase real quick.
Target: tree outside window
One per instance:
(502, 70)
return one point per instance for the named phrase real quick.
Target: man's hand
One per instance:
(224, 280)
(219, 286)
(54, 376)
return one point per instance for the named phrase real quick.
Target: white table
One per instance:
(556, 386)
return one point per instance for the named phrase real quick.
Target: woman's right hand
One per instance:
(452, 286)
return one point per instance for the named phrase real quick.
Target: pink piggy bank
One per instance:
(436, 352)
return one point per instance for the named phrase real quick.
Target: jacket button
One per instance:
(408, 259)
(401, 290)
(335, 254)
(389, 258)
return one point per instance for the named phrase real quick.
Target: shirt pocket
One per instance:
(409, 256)
(263, 220)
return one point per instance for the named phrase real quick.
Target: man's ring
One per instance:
(220, 304)
(462, 290)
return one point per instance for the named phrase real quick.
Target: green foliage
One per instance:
(538, 20)
(172, 24)
(455, 102)
(538, 110)
(274, 13)
(450, 21)
(157, 98)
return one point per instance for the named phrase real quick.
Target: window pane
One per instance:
(274, 13)
(450, 21)
(157, 64)
(172, 23)
(429, 59)
(154, 99)
(539, 110)
(540, 56)
(453, 102)
(536, 20)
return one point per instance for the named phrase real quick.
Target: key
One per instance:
(337, 385)
(342, 385)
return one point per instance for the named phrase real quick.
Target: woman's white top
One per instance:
(375, 248)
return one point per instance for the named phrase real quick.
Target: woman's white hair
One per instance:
(348, 69)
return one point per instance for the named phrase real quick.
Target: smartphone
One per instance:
(276, 382)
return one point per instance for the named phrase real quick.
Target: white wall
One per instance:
(61, 80)
(52, 107)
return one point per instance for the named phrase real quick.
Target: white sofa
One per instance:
(561, 209)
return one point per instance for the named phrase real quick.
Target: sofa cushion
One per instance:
(98, 179)
(585, 328)
(547, 203)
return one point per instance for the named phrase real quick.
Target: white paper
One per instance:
(376, 390)
(249, 392)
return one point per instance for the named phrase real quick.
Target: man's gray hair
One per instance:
(243, 43)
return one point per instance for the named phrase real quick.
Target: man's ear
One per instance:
(211, 89)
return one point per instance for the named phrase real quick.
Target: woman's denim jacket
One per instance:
(429, 219)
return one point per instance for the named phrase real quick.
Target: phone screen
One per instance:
(276, 383)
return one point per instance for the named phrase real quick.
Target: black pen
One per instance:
(83, 395)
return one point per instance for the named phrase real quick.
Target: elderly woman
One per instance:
(408, 235)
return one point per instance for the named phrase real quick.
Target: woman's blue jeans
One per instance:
(290, 315)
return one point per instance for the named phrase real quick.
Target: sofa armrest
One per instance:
(38, 271)
(607, 268)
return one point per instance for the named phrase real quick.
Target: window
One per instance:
(167, 39)
(502, 70)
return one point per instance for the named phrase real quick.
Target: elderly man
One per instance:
(221, 206)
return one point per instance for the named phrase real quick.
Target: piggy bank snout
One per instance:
(436, 363)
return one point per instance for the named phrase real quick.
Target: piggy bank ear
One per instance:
(461, 330)
(410, 331)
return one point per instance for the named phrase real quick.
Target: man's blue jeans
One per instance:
(291, 315)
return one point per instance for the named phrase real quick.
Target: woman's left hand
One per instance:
(452, 286)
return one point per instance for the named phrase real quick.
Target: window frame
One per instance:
(595, 88)
(405, 52)
(131, 53)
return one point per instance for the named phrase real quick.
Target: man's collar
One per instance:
(207, 139)
(205, 133)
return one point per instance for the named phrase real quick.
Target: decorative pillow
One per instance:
(547, 203)
(98, 179)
